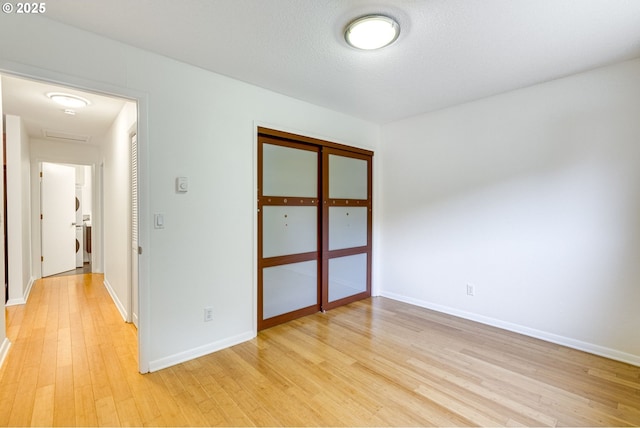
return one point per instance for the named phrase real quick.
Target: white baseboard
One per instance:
(27, 292)
(22, 300)
(516, 328)
(4, 350)
(200, 351)
(118, 303)
(14, 302)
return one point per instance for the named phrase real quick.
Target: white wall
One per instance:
(4, 341)
(117, 208)
(65, 153)
(19, 210)
(196, 124)
(533, 196)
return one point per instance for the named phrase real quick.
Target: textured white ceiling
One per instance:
(448, 52)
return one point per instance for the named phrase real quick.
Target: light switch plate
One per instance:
(158, 221)
(182, 184)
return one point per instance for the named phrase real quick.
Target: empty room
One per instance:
(321, 213)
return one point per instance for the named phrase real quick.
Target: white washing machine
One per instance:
(79, 229)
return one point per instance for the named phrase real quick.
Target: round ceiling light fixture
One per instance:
(371, 32)
(68, 100)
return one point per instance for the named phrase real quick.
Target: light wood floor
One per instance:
(375, 362)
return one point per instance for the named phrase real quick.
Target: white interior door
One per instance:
(58, 217)
(79, 229)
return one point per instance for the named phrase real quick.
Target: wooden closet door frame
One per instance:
(328, 202)
(270, 200)
(271, 136)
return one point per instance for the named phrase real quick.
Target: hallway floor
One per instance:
(86, 268)
(71, 357)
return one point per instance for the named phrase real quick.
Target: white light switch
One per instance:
(182, 184)
(158, 221)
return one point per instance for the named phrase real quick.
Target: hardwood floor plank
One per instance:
(23, 401)
(376, 362)
(118, 387)
(254, 408)
(141, 394)
(64, 410)
(99, 376)
(128, 413)
(107, 413)
(164, 399)
(7, 397)
(85, 406)
(235, 411)
(47, 361)
(43, 406)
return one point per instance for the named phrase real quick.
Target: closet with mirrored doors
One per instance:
(314, 226)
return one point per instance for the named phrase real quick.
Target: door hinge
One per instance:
(139, 250)
(41, 217)
(40, 174)
(41, 258)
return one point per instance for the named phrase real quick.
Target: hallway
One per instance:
(71, 353)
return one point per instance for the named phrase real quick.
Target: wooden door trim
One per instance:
(343, 252)
(270, 200)
(294, 138)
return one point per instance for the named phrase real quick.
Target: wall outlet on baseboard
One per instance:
(208, 314)
(471, 289)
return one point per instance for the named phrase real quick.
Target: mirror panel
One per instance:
(289, 230)
(289, 287)
(289, 172)
(347, 227)
(347, 276)
(347, 178)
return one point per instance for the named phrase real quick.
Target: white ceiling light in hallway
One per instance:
(68, 100)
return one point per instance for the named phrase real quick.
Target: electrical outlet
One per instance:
(208, 314)
(471, 290)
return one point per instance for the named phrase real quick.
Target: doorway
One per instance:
(314, 226)
(65, 218)
(92, 145)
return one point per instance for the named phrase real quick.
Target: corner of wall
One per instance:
(116, 301)
(22, 300)
(27, 290)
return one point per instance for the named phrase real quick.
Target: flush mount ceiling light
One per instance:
(372, 32)
(68, 100)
